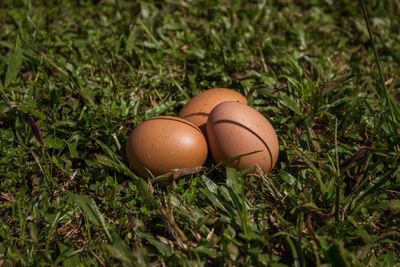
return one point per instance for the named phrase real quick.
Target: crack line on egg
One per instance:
(177, 120)
(253, 132)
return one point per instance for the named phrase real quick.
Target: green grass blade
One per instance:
(393, 109)
(90, 209)
(338, 177)
(372, 188)
(119, 250)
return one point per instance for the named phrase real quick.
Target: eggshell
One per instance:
(235, 129)
(199, 107)
(165, 143)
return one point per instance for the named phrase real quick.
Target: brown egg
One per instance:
(199, 107)
(234, 129)
(164, 143)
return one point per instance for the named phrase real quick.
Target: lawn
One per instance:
(77, 76)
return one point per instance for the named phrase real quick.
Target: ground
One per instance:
(77, 76)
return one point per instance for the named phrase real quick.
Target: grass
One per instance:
(77, 76)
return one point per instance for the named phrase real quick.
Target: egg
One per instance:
(234, 129)
(164, 143)
(199, 107)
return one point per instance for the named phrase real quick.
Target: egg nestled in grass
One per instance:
(162, 144)
(199, 107)
(238, 131)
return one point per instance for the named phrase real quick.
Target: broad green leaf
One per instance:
(233, 181)
(290, 103)
(213, 199)
(211, 186)
(15, 59)
(73, 153)
(389, 259)
(161, 247)
(205, 250)
(53, 142)
(131, 40)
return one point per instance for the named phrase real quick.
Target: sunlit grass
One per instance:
(77, 76)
